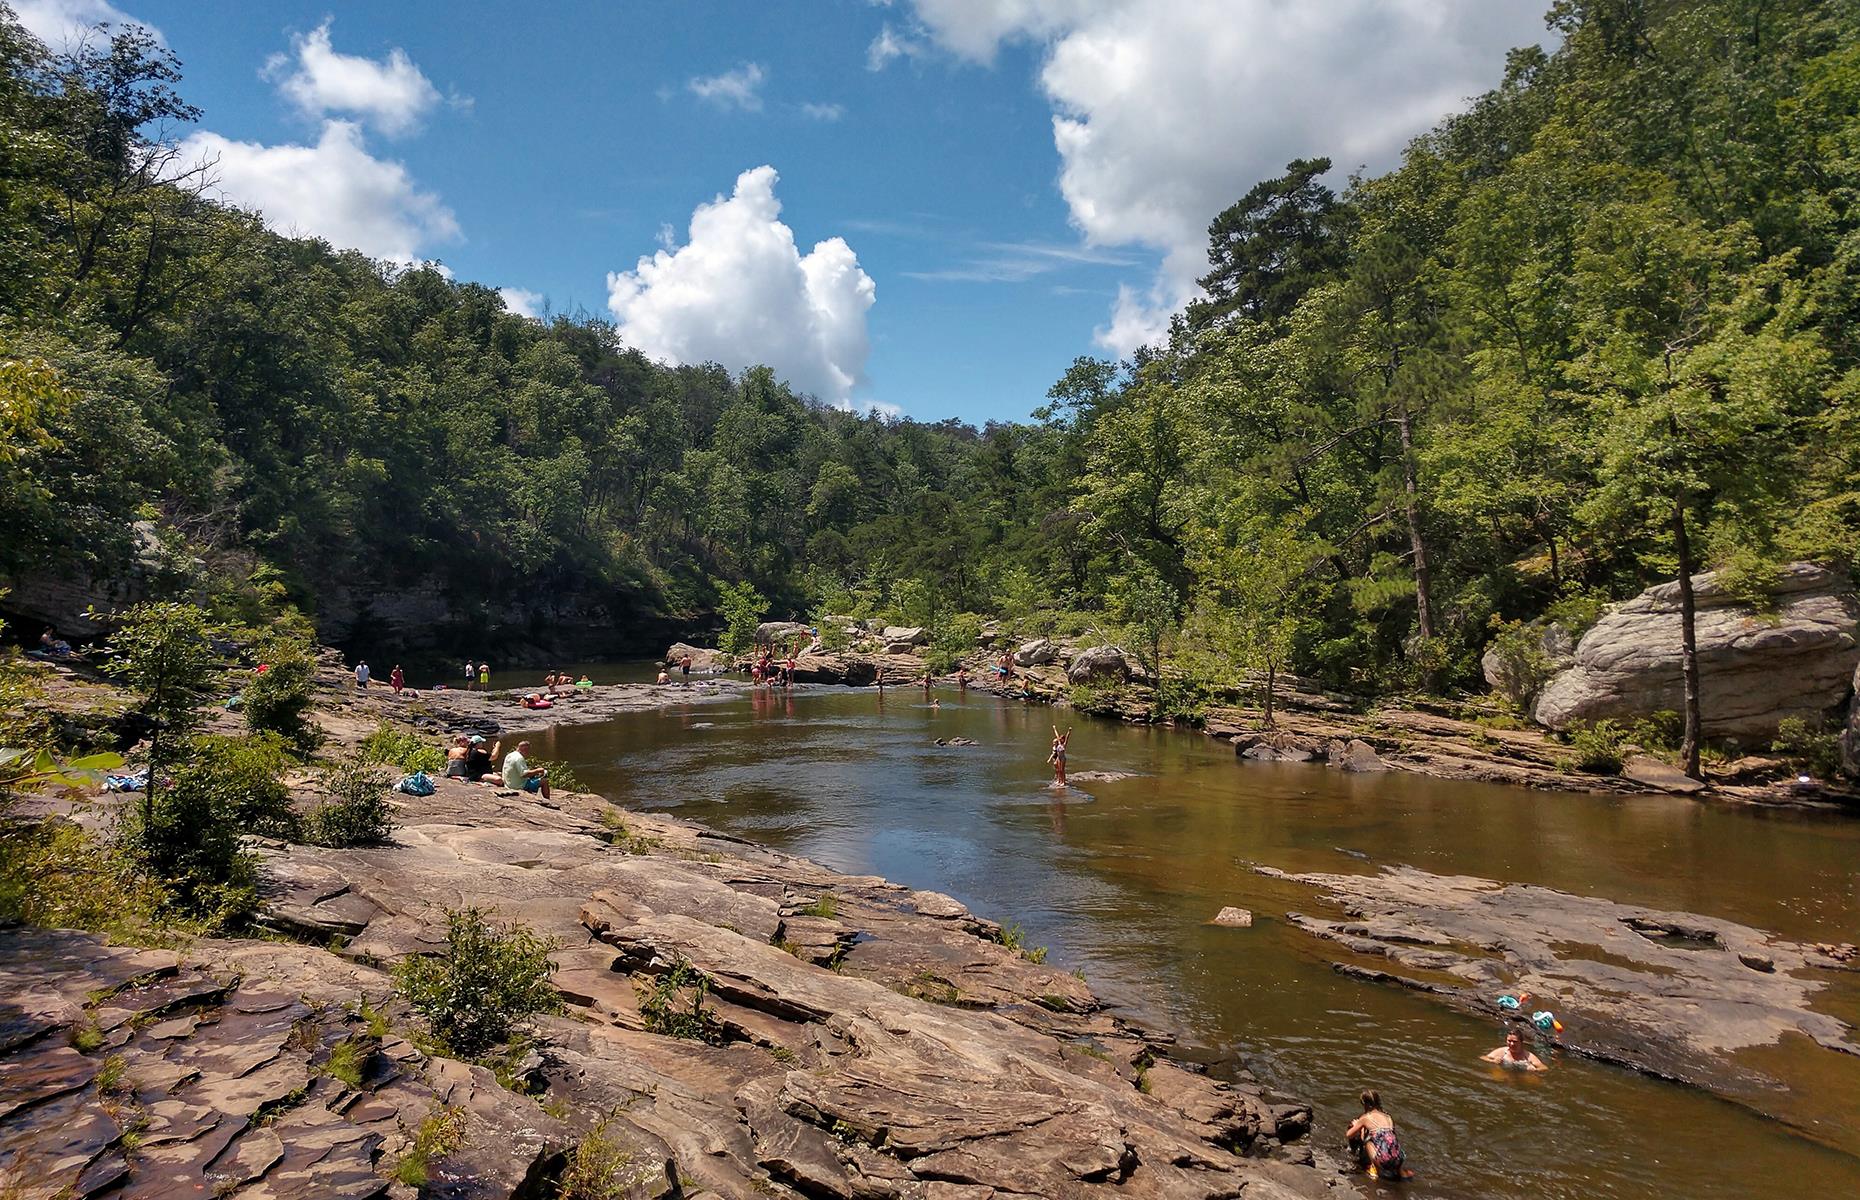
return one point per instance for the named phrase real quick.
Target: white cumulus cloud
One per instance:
(65, 24)
(1167, 111)
(739, 292)
(334, 190)
(523, 302)
(741, 88)
(391, 94)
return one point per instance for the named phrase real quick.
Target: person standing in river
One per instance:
(1058, 757)
(1372, 1137)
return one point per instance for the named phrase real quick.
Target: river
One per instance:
(1119, 878)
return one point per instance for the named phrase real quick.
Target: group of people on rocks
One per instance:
(468, 759)
(397, 679)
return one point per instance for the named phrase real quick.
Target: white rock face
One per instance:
(1240, 918)
(1850, 741)
(1796, 660)
(1036, 653)
(780, 633)
(1098, 662)
(909, 635)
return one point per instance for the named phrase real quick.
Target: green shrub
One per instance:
(277, 700)
(442, 1132)
(356, 812)
(562, 777)
(1808, 746)
(490, 981)
(407, 752)
(955, 638)
(601, 1168)
(742, 608)
(662, 1004)
(186, 837)
(1664, 730)
(54, 874)
(1596, 748)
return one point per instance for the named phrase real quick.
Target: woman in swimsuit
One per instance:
(455, 757)
(1372, 1136)
(1058, 756)
(1513, 1056)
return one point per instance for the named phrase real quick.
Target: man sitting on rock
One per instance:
(519, 774)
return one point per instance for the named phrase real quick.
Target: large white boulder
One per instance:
(1038, 652)
(1098, 663)
(703, 658)
(909, 635)
(1793, 658)
(781, 633)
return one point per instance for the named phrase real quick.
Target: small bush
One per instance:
(357, 812)
(277, 700)
(186, 836)
(562, 778)
(662, 1005)
(54, 874)
(407, 752)
(823, 906)
(1596, 748)
(487, 984)
(601, 1169)
(442, 1132)
(1663, 730)
(1808, 746)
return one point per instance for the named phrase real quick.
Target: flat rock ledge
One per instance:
(1672, 995)
(865, 1040)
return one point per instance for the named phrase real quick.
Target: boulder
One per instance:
(1518, 673)
(702, 658)
(1796, 659)
(1098, 663)
(1850, 741)
(1239, 918)
(1036, 653)
(1355, 755)
(781, 633)
(904, 635)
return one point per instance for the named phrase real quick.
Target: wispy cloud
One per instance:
(741, 88)
(824, 112)
(1017, 262)
(889, 45)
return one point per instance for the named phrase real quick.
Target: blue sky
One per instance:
(544, 146)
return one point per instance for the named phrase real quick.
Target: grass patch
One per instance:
(602, 1169)
(824, 905)
(404, 751)
(113, 1076)
(86, 1037)
(347, 1059)
(1015, 939)
(442, 1132)
(623, 839)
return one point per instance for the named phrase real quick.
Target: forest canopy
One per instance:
(1612, 305)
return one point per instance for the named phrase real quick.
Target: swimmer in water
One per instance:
(1058, 757)
(1513, 1056)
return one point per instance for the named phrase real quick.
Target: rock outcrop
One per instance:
(1098, 664)
(1519, 672)
(703, 658)
(903, 635)
(1850, 740)
(781, 633)
(1670, 994)
(1755, 668)
(1036, 653)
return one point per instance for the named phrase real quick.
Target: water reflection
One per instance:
(1119, 878)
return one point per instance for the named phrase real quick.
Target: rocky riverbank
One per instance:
(854, 1038)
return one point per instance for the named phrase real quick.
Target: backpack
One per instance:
(416, 784)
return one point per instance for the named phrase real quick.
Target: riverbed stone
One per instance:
(1098, 664)
(1036, 653)
(1794, 658)
(1239, 918)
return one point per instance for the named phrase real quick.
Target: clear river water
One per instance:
(1118, 879)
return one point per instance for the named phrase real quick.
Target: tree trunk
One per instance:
(1272, 672)
(1688, 643)
(1411, 506)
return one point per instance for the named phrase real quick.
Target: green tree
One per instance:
(161, 651)
(743, 608)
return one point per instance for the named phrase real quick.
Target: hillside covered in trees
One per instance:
(1601, 325)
